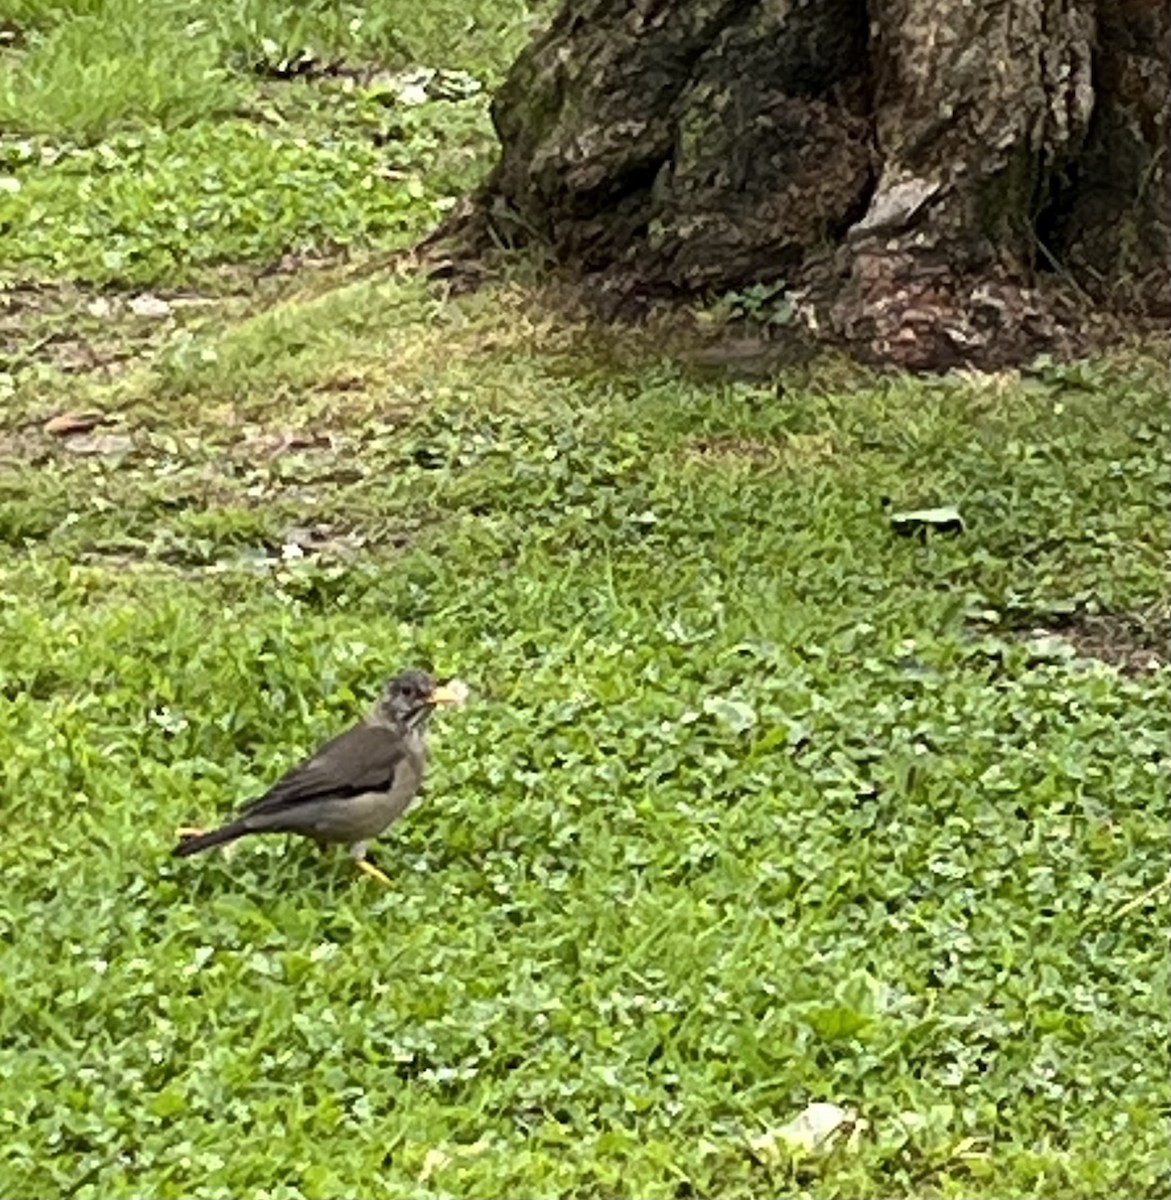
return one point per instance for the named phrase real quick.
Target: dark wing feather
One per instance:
(362, 759)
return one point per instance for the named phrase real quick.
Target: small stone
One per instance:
(149, 306)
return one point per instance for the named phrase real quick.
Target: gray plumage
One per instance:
(355, 786)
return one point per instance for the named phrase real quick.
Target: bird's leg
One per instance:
(358, 854)
(370, 869)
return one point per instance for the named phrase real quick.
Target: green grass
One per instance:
(754, 804)
(107, 66)
(148, 145)
(167, 207)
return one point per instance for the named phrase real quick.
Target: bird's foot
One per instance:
(358, 854)
(370, 869)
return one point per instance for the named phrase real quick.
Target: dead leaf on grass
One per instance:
(66, 423)
(817, 1129)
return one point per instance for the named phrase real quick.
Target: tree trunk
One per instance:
(925, 175)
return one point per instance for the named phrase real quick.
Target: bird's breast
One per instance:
(357, 818)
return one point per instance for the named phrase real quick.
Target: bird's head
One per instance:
(410, 697)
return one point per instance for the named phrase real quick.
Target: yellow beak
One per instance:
(452, 693)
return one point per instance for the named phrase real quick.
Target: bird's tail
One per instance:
(214, 837)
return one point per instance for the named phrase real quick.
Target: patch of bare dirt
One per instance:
(77, 330)
(791, 451)
(719, 450)
(1135, 643)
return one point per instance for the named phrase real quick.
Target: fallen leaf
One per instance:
(70, 422)
(817, 1129)
(944, 519)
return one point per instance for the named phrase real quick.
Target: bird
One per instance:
(353, 788)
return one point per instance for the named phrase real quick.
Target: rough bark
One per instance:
(915, 169)
(1111, 218)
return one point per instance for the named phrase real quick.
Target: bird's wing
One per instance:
(363, 759)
